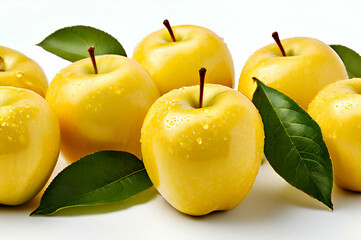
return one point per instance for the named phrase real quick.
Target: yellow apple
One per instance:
(308, 66)
(29, 144)
(18, 70)
(337, 109)
(103, 111)
(173, 65)
(203, 159)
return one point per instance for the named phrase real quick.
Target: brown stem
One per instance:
(278, 41)
(92, 57)
(167, 25)
(202, 74)
(2, 65)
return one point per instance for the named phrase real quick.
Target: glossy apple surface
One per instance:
(309, 66)
(29, 144)
(102, 111)
(203, 159)
(18, 70)
(173, 65)
(337, 109)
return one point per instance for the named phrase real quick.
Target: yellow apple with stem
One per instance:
(29, 144)
(173, 57)
(17, 70)
(203, 154)
(298, 67)
(337, 109)
(101, 103)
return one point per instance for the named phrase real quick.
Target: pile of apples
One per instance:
(202, 145)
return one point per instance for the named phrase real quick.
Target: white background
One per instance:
(273, 209)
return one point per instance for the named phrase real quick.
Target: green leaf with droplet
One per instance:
(99, 178)
(294, 144)
(350, 58)
(72, 43)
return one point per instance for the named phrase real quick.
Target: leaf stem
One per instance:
(92, 57)
(278, 41)
(202, 74)
(169, 28)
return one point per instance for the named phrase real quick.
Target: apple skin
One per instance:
(337, 109)
(102, 111)
(203, 159)
(21, 71)
(309, 66)
(173, 65)
(29, 144)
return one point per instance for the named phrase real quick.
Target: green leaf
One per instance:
(72, 43)
(294, 145)
(101, 177)
(350, 58)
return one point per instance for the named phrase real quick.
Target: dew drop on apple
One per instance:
(22, 138)
(170, 150)
(205, 126)
(19, 74)
(349, 106)
(199, 140)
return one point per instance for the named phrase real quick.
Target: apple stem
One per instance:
(169, 28)
(202, 74)
(92, 57)
(278, 41)
(255, 79)
(2, 67)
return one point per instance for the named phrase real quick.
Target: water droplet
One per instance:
(205, 126)
(199, 140)
(349, 106)
(206, 111)
(170, 150)
(3, 124)
(27, 116)
(19, 74)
